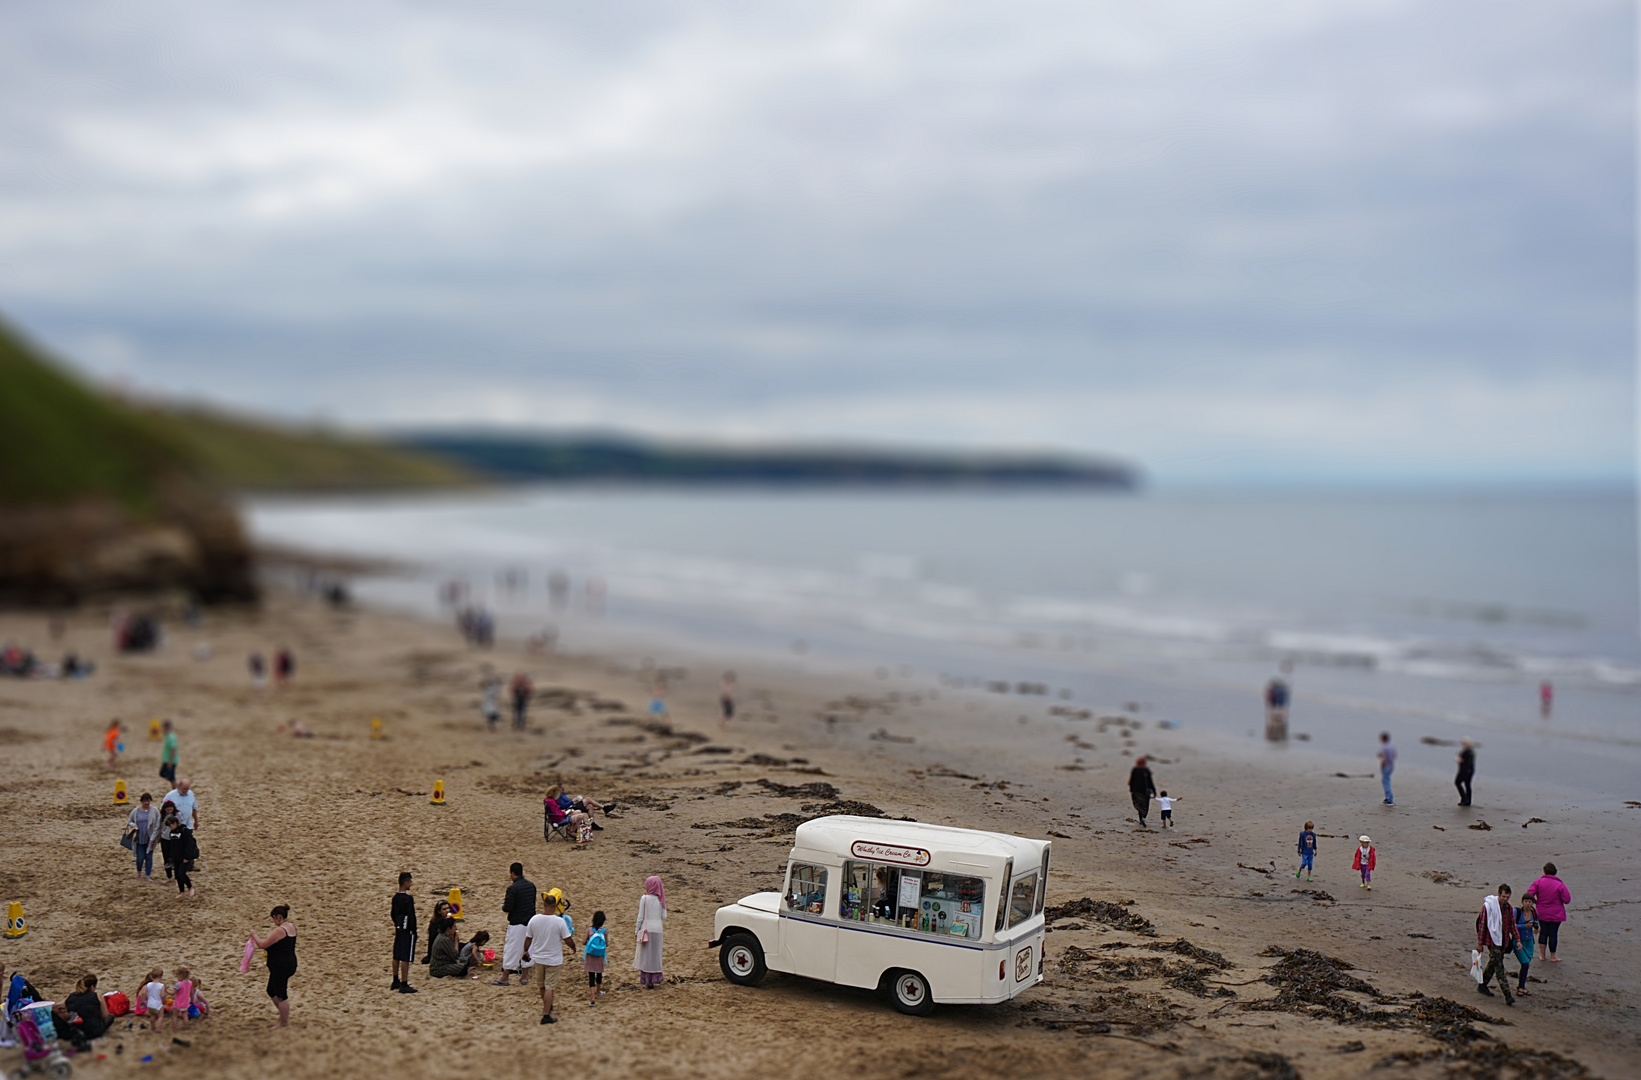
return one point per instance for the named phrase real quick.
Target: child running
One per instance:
(1366, 857)
(112, 743)
(592, 959)
(1167, 804)
(1307, 850)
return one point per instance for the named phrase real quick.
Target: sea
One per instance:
(1433, 615)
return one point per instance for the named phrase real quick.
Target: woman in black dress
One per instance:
(281, 947)
(1140, 789)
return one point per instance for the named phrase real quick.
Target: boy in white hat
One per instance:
(1366, 856)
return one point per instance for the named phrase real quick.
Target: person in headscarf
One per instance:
(1140, 788)
(652, 912)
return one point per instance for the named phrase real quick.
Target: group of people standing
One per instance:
(538, 927)
(1503, 931)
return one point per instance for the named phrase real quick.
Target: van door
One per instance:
(809, 931)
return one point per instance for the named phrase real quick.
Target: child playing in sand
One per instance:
(1307, 849)
(1365, 859)
(181, 998)
(1167, 804)
(592, 958)
(151, 998)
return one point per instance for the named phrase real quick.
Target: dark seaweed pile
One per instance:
(1102, 911)
(1082, 965)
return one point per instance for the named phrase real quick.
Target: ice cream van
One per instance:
(927, 913)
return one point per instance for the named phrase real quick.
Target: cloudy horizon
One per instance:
(1380, 240)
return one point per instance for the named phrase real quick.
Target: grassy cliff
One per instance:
(61, 440)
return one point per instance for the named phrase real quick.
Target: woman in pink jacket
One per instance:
(1552, 898)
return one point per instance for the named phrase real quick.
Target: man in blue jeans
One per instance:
(1387, 765)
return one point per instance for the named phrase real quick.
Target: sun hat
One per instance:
(1365, 840)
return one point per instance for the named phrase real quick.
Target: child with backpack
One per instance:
(593, 958)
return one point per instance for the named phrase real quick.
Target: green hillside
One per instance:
(251, 455)
(61, 440)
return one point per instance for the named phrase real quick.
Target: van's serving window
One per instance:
(914, 899)
(806, 890)
(1022, 898)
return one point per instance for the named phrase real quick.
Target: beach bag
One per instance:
(583, 831)
(245, 958)
(116, 1001)
(1478, 965)
(128, 840)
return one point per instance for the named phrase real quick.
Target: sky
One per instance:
(1383, 241)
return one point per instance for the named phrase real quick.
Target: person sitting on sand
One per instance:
(447, 962)
(440, 911)
(84, 1015)
(472, 953)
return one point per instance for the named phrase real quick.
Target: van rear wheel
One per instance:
(910, 992)
(742, 960)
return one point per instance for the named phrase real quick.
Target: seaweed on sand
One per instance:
(1140, 1013)
(1102, 911)
(1081, 965)
(1488, 1059)
(1254, 1065)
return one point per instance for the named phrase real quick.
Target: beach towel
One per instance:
(245, 959)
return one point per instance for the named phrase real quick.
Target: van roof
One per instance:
(947, 844)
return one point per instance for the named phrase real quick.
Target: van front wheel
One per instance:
(742, 960)
(911, 993)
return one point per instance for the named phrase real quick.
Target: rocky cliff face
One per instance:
(68, 552)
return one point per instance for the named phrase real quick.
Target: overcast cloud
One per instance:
(1384, 239)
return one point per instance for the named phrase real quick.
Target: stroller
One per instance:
(40, 1051)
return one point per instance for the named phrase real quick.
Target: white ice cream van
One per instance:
(927, 912)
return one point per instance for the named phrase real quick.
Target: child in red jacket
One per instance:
(1366, 856)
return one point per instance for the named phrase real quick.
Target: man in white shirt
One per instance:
(187, 804)
(544, 941)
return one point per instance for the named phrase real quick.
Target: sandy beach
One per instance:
(325, 825)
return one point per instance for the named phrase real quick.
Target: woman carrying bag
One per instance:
(652, 912)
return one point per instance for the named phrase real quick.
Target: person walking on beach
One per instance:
(1165, 819)
(519, 904)
(1387, 765)
(544, 940)
(280, 945)
(1546, 698)
(143, 824)
(1467, 770)
(187, 804)
(1551, 897)
(113, 743)
(404, 935)
(258, 669)
(1496, 936)
(1526, 927)
(1307, 850)
(592, 958)
(726, 697)
(168, 753)
(1366, 858)
(174, 843)
(1276, 710)
(652, 913)
(1140, 789)
(491, 708)
(521, 689)
(284, 666)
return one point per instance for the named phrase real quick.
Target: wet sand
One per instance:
(325, 824)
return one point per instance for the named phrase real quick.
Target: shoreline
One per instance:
(324, 823)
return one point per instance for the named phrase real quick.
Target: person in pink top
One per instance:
(181, 998)
(1552, 898)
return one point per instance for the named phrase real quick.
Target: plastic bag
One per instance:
(1478, 965)
(245, 960)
